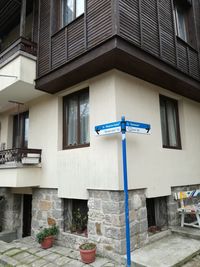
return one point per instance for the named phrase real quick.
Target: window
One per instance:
(76, 119)
(181, 22)
(170, 123)
(20, 130)
(76, 216)
(71, 10)
(184, 19)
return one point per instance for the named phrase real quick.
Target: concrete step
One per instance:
(171, 251)
(187, 232)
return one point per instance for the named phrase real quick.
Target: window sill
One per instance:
(186, 43)
(76, 146)
(173, 147)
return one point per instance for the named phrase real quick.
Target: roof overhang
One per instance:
(116, 53)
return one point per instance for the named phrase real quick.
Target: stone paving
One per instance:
(194, 262)
(28, 253)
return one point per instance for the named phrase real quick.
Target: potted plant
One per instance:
(46, 236)
(88, 252)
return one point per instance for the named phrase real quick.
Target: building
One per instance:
(96, 61)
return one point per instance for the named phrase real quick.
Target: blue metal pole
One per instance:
(128, 250)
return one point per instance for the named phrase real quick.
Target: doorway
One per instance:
(27, 215)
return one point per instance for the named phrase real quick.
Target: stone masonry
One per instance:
(106, 221)
(10, 211)
(46, 206)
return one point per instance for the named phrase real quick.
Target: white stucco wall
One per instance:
(22, 67)
(149, 164)
(43, 134)
(98, 166)
(94, 166)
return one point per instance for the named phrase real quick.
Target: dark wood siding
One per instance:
(68, 43)
(58, 46)
(150, 25)
(82, 34)
(183, 63)
(35, 22)
(99, 21)
(75, 38)
(196, 9)
(194, 64)
(147, 24)
(129, 17)
(167, 34)
(44, 38)
(150, 30)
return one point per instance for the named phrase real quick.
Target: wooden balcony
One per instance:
(21, 44)
(19, 157)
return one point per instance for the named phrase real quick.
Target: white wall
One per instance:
(149, 164)
(94, 166)
(43, 134)
(22, 67)
(98, 166)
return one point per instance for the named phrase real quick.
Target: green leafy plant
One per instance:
(51, 231)
(87, 246)
(79, 221)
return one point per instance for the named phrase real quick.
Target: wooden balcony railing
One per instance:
(20, 44)
(20, 155)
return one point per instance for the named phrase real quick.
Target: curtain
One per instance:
(72, 136)
(172, 124)
(84, 118)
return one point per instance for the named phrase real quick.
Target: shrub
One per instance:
(87, 246)
(51, 231)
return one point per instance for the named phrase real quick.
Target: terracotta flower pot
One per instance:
(88, 256)
(47, 242)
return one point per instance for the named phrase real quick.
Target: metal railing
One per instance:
(21, 44)
(18, 154)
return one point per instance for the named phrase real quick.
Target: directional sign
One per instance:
(109, 128)
(124, 126)
(137, 127)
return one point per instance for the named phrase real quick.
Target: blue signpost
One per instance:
(124, 126)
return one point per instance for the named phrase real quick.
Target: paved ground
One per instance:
(27, 253)
(194, 262)
(170, 251)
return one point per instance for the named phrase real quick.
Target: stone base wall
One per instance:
(10, 211)
(172, 204)
(106, 221)
(46, 207)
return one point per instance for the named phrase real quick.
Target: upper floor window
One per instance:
(181, 22)
(170, 123)
(20, 130)
(184, 20)
(71, 10)
(76, 119)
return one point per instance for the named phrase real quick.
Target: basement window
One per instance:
(156, 214)
(75, 216)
